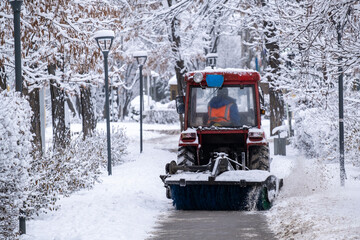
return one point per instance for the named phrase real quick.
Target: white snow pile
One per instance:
(15, 148)
(312, 205)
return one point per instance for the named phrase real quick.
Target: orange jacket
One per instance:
(221, 114)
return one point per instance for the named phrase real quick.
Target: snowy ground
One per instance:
(312, 205)
(127, 204)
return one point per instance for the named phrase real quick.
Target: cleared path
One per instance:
(213, 226)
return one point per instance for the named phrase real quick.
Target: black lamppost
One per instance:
(104, 40)
(141, 59)
(16, 6)
(339, 29)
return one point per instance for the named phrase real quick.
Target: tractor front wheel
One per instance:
(259, 158)
(186, 155)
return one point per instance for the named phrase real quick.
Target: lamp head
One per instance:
(16, 5)
(140, 57)
(104, 39)
(211, 59)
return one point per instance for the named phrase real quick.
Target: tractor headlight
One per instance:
(188, 136)
(256, 136)
(198, 77)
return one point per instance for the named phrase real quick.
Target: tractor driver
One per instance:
(223, 110)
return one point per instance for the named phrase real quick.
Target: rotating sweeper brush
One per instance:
(223, 157)
(218, 186)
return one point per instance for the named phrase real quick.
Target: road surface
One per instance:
(216, 225)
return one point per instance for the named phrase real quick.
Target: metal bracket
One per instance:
(182, 182)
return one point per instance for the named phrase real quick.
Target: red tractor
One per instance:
(223, 157)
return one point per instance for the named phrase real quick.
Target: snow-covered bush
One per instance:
(154, 112)
(79, 166)
(163, 113)
(161, 116)
(352, 141)
(15, 148)
(316, 133)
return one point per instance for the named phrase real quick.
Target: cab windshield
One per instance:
(229, 106)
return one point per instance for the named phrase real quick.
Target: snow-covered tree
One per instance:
(320, 40)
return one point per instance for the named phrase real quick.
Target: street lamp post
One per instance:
(339, 29)
(104, 39)
(141, 57)
(16, 6)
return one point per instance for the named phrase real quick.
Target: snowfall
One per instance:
(129, 203)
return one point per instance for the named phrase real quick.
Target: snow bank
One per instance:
(312, 205)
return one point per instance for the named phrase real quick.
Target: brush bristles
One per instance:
(219, 197)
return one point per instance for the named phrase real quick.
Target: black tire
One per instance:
(167, 168)
(168, 193)
(186, 156)
(259, 158)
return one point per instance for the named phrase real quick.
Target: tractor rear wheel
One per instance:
(259, 158)
(186, 155)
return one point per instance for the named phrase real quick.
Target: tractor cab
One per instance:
(221, 99)
(230, 106)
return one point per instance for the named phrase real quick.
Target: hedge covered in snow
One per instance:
(161, 116)
(317, 135)
(15, 148)
(154, 112)
(33, 182)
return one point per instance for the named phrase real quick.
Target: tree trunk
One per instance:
(87, 111)
(78, 105)
(71, 105)
(34, 101)
(2, 78)
(272, 48)
(179, 63)
(276, 109)
(61, 132)
(126, 101)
